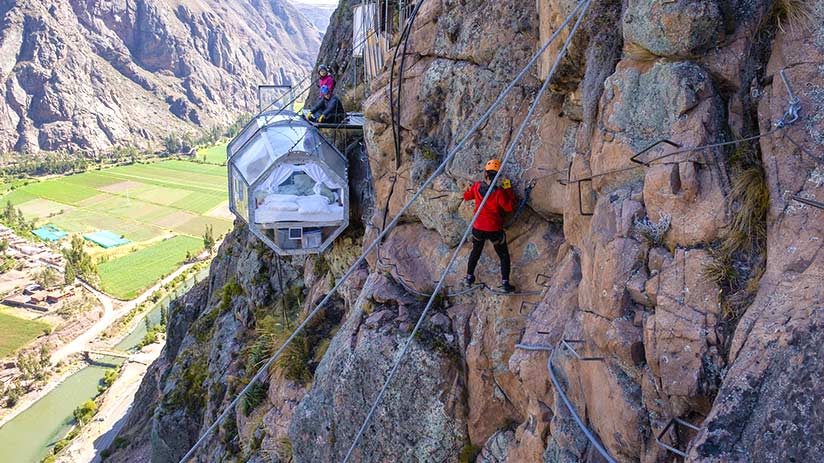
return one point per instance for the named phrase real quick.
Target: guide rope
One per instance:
(360, 260)
(466, 234)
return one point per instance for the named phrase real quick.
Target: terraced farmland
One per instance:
(163, 208)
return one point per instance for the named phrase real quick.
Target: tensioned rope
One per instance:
(262, 371)
(600, 448)
(512, 147)
(789, 117)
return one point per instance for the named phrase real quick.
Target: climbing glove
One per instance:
(506, 184)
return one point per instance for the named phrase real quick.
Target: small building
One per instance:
(56, 296)
(38, 298)
(16, 301)
(289, 184)
(28, 250)
(32, 288)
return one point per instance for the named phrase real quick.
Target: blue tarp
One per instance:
(106, 239)
(50, 233)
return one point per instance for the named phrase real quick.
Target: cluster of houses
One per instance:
(36, 297)
(32, 253)
(34, 256)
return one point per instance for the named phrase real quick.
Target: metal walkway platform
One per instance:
(353, 121)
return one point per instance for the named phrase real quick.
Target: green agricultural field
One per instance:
(126, 277)
(16, 332)
(213, 155)
(145, 203)
(59, 190)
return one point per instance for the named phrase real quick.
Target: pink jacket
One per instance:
(328, 81)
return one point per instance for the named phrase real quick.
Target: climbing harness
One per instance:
(263, 371)
(512, 147)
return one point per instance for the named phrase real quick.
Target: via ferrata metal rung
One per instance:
(808, 201)
(542, 280)
(526, 304)
(635, 156)
(672, 423)
(534, 347)
(568, 344)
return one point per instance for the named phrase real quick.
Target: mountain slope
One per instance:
(318, 14)
(92, 74)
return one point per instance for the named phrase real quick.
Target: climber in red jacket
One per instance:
(490, 222)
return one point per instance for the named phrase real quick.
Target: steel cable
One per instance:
(466, 234)
(356, 265)
(600, 448)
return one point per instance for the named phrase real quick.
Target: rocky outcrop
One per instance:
(688, 282)
(90, 75)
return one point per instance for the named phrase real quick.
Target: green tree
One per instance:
(209, 239)
(172, 143)
(78, 261)
(70, 275)
(47, 278)
(84, 413)
(4, 246)
(9, 213)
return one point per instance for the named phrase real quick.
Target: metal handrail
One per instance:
(566, 343)
(634, 157)
(808, 201)
(667, 428)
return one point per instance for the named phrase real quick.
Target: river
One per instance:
(30, 435)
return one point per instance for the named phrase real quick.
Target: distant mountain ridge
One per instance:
(93, 74)
(319, 15)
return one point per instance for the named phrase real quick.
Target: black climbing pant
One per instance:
(498, 239)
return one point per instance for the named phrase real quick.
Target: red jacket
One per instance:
(491, 218)
(329, 81)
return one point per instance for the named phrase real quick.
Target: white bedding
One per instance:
(291, 208)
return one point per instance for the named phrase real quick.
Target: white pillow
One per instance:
(285, 207)
(280, 203)
(314, 204)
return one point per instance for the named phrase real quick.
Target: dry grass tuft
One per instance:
(792, 13)
(284, 450)
(639, 53)
(751, 198)
(743, 245)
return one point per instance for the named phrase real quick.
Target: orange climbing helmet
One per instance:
(493, 165)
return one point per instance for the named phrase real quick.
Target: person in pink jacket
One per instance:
(326, 79)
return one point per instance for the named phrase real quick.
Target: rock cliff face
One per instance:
(89, 74)
(694, 279)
